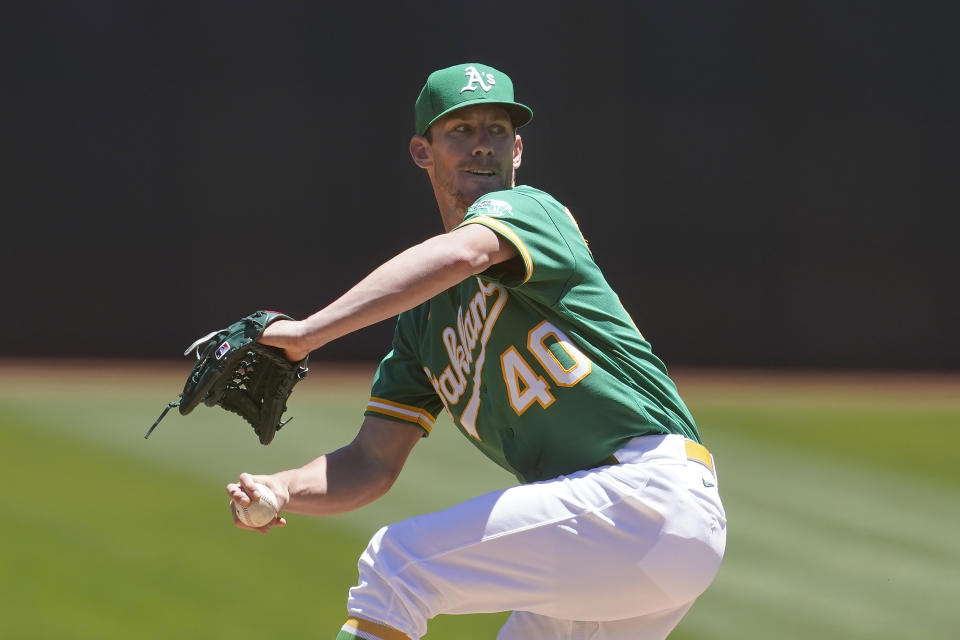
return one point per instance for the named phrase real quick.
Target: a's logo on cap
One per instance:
(474, 78)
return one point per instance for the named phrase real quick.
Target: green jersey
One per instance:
(535, 360)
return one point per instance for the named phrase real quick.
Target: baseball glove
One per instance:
(239, 374)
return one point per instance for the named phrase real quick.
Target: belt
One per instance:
(698, 453)
(694, 450)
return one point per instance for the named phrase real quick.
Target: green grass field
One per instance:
(842, 496)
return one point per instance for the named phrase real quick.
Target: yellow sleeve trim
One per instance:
(405, 412)
(510, 235)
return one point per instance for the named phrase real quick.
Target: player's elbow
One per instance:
(454, 257)
(475, 248)
(471, 261)
(378, 479)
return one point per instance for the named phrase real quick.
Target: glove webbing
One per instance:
(241, 403)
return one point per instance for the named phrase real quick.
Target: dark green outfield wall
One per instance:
(765, 184)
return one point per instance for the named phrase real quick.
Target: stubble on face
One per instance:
(448, 183)
(473, 155)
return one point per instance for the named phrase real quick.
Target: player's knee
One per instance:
(387, 558)
(391, 588)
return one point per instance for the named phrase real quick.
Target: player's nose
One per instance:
(484, 145)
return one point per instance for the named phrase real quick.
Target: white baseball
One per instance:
(258, 514)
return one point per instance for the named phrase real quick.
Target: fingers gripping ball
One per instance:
(260, 513)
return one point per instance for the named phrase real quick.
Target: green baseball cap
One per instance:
(463, 85)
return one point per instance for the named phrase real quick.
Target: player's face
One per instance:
(472, 152)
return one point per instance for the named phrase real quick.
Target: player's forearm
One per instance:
(409, 279)
(332, 484)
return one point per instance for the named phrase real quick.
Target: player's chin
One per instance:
(472, 189)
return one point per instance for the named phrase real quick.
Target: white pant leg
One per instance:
(523, 625)
(613, 543)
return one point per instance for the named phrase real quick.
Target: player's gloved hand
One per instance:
(244, 493)
(239, 373)
(284, 334)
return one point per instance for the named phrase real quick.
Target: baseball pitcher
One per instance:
(506, 323)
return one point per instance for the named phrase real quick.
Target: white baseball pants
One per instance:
(613, 553)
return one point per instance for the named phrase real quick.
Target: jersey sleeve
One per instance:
(542, 231)
(401, 391)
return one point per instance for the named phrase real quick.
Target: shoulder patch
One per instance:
(492, 208)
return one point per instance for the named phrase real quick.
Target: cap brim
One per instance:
(520, 114)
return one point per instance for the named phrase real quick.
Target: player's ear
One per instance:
(421, 152)
(517, 152)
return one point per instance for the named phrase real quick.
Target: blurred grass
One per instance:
(841, 498)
